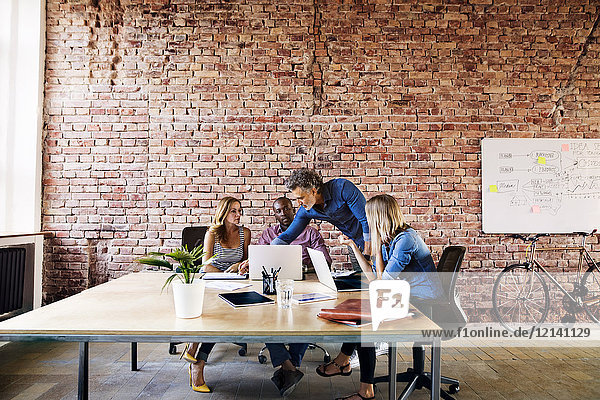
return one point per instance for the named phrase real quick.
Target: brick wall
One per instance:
(154, 110)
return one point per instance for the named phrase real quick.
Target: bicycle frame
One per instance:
(583, 255)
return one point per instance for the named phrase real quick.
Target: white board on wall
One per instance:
(540, 185)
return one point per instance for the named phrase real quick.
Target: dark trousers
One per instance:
(366, 357)
(204, 351)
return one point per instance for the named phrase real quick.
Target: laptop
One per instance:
(345, 284)
(288, 257)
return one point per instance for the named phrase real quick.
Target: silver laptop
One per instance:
(346, 284)
(288, 257)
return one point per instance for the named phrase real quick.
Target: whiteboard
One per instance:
(540, 185)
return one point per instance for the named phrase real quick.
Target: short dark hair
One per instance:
(282, 198)
(305, 179)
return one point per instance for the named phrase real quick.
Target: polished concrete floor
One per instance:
(48, 370)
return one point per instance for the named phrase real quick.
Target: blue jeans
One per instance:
(279, 353)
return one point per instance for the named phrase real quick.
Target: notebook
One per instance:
(243, 299)
(345, 284)
(353, 312)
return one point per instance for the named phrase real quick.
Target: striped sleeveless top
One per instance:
(226, 257)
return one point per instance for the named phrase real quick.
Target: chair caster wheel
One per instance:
(242, 352)
(172, 349)
(326, 358)
(453, 389)
(262, 359)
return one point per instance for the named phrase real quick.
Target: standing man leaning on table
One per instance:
(337, 201)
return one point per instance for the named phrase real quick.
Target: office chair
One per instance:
(192, 237)
(444, 312)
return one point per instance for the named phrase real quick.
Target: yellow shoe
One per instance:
(202, 388)
(187, 356)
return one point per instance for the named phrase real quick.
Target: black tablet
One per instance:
(243, 299)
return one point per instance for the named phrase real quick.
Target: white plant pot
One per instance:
(188, 298)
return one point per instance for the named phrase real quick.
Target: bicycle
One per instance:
(521, 297)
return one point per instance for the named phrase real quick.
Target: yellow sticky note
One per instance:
(535, 209)
(541, 160)
(493, 188)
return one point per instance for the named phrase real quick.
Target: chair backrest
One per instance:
(448, 269)
(193, 236)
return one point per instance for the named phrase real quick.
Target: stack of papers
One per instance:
(224, 285)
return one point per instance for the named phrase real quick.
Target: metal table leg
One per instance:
(84, 356)
(436, 368)
(392, 369)
(134, 356)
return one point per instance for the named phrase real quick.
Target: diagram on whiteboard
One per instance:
(540, 185)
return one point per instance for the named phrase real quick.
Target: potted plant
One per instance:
(188, 293)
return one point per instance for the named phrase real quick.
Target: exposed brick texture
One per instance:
(154, 110)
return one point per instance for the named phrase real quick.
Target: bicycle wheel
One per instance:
(520, 297)
(590, 295)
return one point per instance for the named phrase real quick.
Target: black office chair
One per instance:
(192, 237)
(446, 313)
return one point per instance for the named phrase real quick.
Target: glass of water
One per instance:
(285, 291)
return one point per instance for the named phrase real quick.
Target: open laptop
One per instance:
(289, 258)
(346, 284)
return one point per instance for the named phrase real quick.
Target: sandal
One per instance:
(341, 369)
(355, 394)
(187, 356)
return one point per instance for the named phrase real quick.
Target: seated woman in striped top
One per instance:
(228, 241)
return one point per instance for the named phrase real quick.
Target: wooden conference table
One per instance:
(133, 309)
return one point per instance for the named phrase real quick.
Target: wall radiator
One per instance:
(15, 280)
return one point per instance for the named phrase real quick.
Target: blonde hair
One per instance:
(223, 208)
(385, 217)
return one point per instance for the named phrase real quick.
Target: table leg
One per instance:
(84, 356)
(134, 356)
(436, 369)
(392, 369)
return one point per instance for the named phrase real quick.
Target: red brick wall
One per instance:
(154, 110)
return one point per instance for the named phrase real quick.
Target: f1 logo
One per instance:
(389, 300)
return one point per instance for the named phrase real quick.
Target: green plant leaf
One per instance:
(158, 262)
(168, 281)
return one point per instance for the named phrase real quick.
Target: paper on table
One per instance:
(226, 285)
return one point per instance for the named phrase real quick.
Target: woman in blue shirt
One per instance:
(398, 253)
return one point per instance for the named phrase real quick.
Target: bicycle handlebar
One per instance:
(533, 238)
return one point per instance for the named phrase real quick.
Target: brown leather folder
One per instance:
(351, 312)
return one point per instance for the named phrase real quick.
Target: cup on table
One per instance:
(285, 291)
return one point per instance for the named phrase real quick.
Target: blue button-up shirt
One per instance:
(407, 257)
(344, 208)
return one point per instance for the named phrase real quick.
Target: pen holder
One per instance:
(269, 284)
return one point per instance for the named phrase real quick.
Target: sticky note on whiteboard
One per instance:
(535, 209)
(541, 160)
(564, 147)
(493, 188)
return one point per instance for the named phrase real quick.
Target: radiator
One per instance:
(12, 278)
